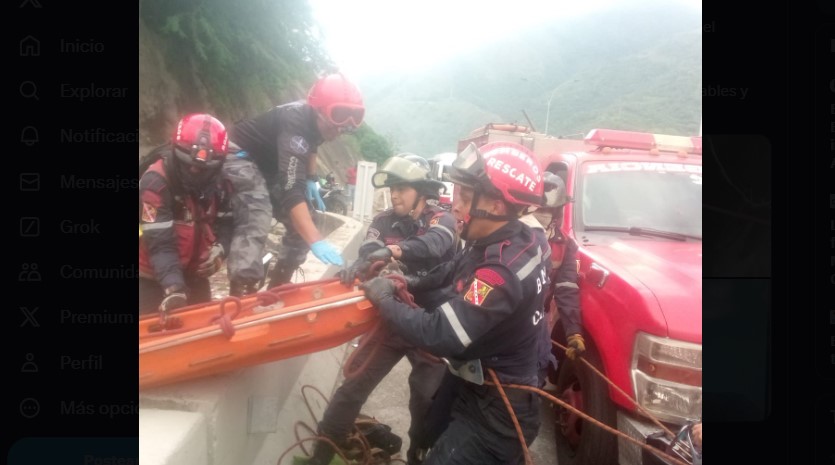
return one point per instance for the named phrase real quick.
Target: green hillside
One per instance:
(234, 60)
(635, 69)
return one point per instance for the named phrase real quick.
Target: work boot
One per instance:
(322, 454)
(242, 289)
(379, 435)
(415, 456)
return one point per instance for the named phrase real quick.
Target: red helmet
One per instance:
(503, 169)
(338, 100)
(201, 140)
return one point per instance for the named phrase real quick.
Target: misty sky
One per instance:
(417, 34)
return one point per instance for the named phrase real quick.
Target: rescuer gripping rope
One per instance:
(404, 296)
(169, 325)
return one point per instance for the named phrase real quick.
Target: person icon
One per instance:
(29, 366)
(29, 273)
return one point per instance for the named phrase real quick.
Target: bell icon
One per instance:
(29, 136)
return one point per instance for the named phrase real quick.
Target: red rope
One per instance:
(593, 421)
(370, 456)
(621, 391)
(525, 451)
(402, 294)
(224, 320)
(366, 340)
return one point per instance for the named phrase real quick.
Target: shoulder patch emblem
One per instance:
(372, 234)
(149, 212)
(299, 145)
(477, 292)
(435, 220)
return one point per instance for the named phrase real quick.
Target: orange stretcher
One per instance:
(283, 322)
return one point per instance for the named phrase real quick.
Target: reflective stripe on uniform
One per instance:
(444, 229)
(529, 267)
(463, 337)
(161, 225)
(568, 284)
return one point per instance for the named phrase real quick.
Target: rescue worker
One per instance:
(420, 236)
(546, 357)
(181, 196)
(490, 320)
(273, 170)
(563, 289)
(438, 416)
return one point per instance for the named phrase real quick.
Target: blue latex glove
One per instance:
(326, 252)
(313, 194)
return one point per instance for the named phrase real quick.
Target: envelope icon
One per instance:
(30, 181)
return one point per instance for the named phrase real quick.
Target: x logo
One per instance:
(299, 145)
(29, 317)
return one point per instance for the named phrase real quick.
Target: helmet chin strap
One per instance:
(478, 213)
(414, 207)
(489, 216)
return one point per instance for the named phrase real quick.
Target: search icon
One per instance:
(28, 89)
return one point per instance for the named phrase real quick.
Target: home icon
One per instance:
(30, 47)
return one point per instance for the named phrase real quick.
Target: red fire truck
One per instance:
(635, 212)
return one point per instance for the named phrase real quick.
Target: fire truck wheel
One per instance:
(578, 441)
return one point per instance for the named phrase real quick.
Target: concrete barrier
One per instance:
(246, 416)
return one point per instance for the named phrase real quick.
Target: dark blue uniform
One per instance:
(564, 281)
(490, 318)
(544, 346)
(280, 141)
(425, 243)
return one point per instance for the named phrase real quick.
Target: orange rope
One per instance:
(402, 293)
(404, 296)
(525, 451)
(368, 453)
(617, 388)
(586, 417)
(366, 340)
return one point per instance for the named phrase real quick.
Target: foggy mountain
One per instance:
(630, 68)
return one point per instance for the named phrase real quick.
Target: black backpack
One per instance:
(145, 161)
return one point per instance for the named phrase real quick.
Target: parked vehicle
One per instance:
(635, 213)
(334, 196)
(335, 200)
